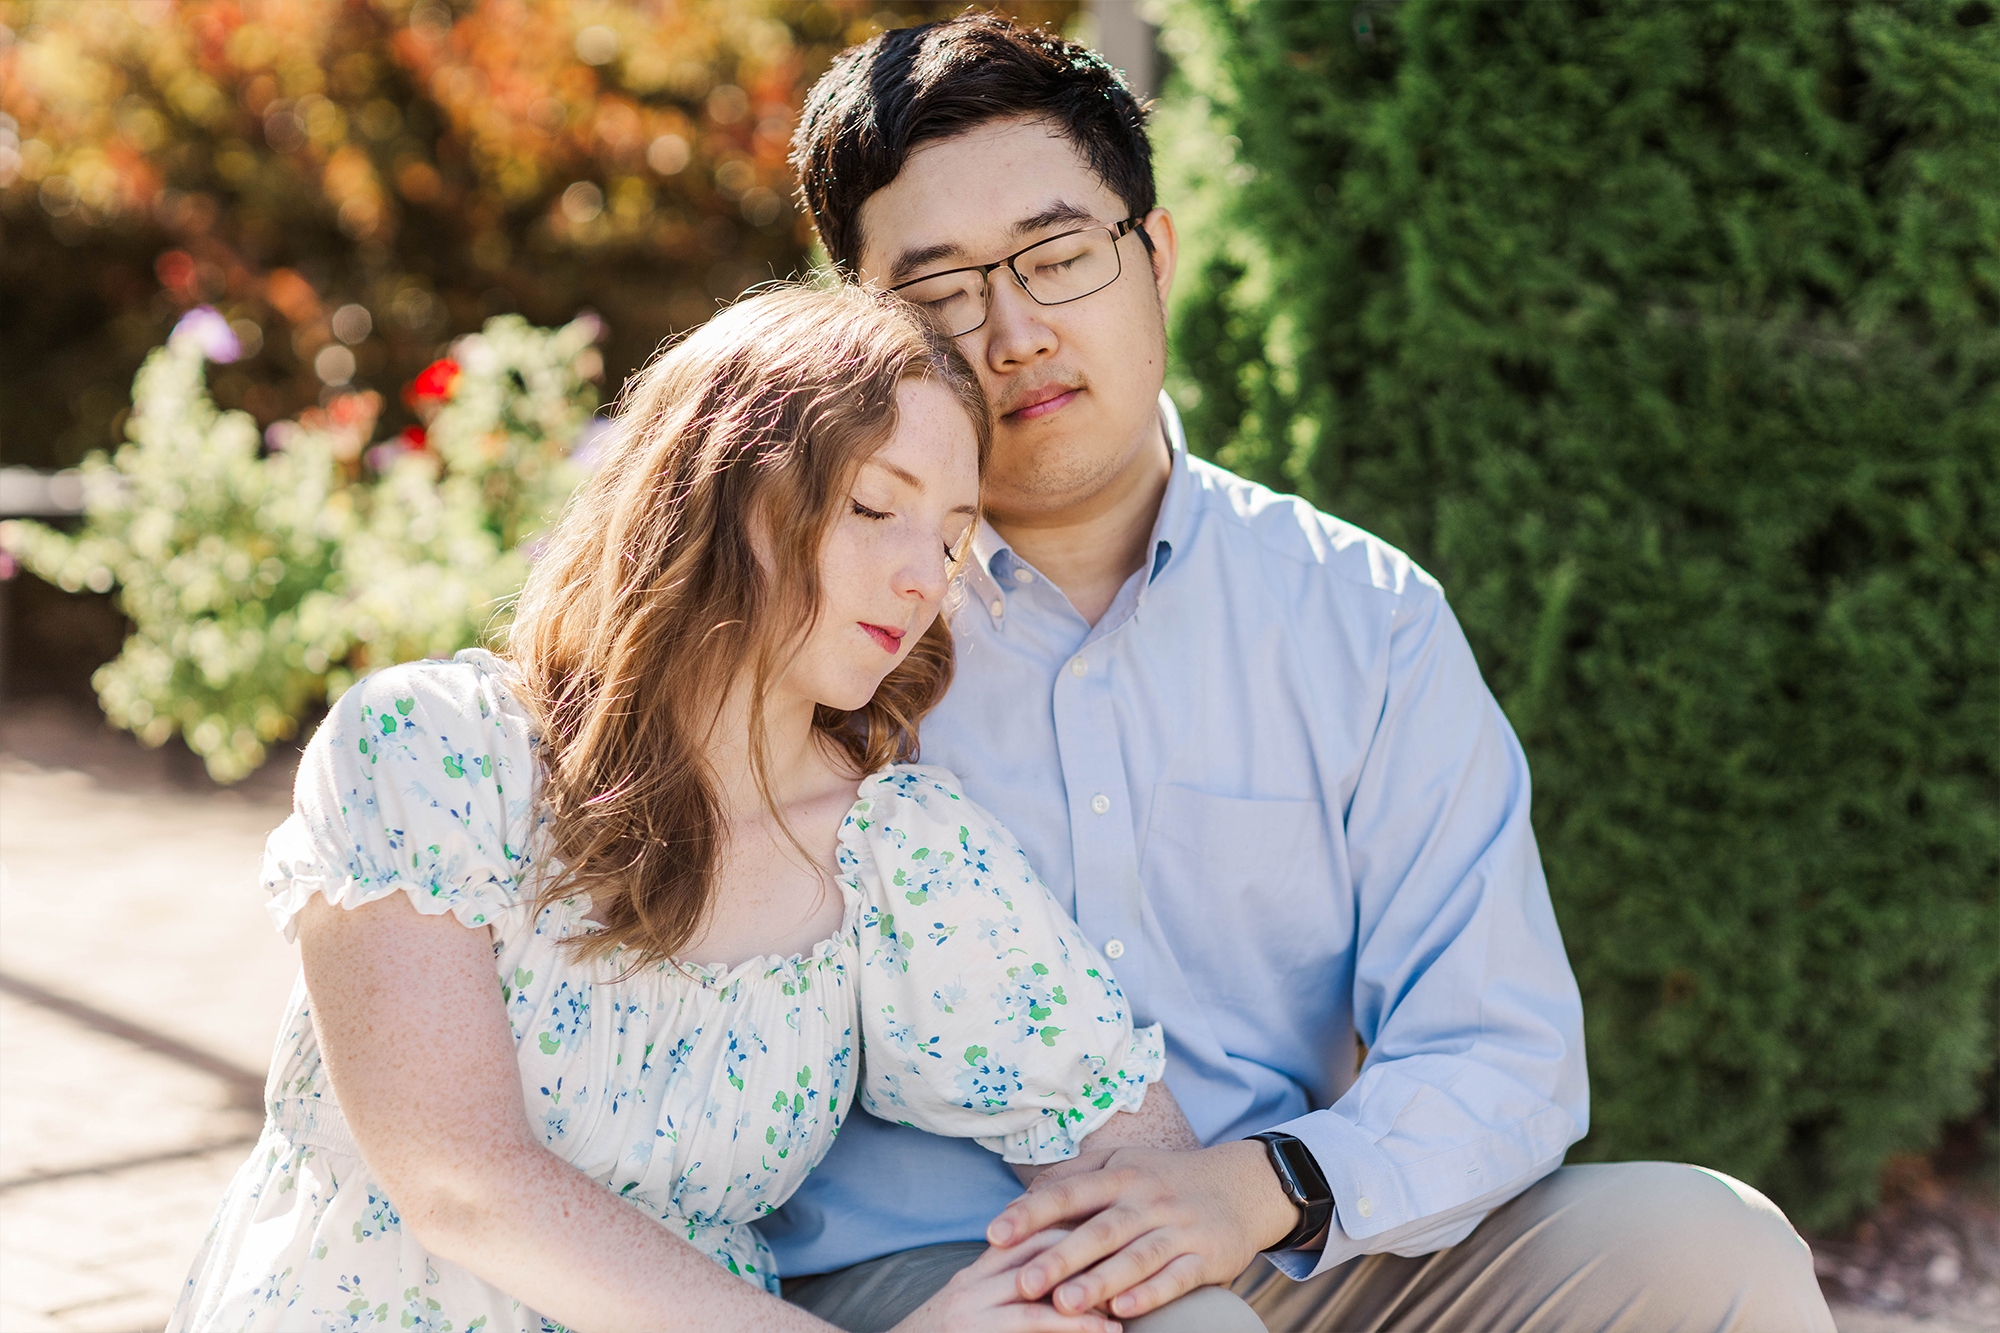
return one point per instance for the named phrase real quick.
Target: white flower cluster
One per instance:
(261, 582)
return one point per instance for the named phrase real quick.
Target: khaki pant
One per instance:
(1636, 1247)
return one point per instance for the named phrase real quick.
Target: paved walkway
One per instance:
(140, 990)
(141, 986)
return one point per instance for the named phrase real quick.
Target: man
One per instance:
(1247, 744)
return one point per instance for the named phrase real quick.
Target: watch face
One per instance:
(1305, 1172)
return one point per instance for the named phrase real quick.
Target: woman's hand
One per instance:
(983, 1298)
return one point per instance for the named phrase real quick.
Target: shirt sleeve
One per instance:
(985, 1013)
(1474, 1082)
(418, 782)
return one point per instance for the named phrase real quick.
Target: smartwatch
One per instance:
(1303, 1183)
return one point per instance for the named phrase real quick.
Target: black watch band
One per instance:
(1303, 1183)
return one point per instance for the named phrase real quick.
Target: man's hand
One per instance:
(1159, 1225)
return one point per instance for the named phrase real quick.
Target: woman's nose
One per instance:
(924, 572)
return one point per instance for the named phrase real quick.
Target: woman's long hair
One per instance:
(650, 599)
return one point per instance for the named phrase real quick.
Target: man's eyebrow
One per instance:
(911, 262)
(1059, 212)
(923, 257)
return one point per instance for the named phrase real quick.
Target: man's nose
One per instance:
(1017, 330)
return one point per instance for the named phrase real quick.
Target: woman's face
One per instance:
(886, 561)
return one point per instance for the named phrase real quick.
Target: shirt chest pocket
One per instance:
(1244, 889)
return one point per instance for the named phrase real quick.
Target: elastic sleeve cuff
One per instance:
(1117, 1085)
(291, 883)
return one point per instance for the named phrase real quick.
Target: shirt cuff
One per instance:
(1368, 1193)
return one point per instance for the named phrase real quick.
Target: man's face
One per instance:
(1074, 387)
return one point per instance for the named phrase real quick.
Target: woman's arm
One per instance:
(410, 1021)
(1158, 1123)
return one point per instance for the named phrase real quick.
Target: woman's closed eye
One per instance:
(863, 511)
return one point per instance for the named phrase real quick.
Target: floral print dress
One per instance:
(702, 1095)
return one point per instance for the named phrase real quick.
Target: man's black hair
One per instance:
(912, 86)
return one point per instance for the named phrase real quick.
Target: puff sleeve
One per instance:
(985, 1013)
(420, 781)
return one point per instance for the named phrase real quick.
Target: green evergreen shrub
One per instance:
(1668, 337)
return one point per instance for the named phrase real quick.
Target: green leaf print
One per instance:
(1103, 1101)
(522, 976)
(779, 1103)
(404, 706)
(1038, 1012)
(550, 1045)
(382, 1313)
(388, 725)
(736, 1082)
(485, 765)
(1049, 1036)
(900, 878)
(364, 744)
(357, 1305)
(918, 896)
(476, 1325)
(805, 1076)
(798, 1103)
(770, 1134)
(974, 1054)
(1059, 997)
(1039, 970)
(921, 854)
(452, 768)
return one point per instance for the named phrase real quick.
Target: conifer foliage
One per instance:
(1668, 337)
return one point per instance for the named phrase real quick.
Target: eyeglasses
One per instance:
(1060, 269)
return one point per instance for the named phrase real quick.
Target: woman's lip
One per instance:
(1043, 408)
(889, 640)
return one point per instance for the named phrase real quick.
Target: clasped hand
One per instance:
(1150, 1225)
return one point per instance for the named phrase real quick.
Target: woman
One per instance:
(595, 934)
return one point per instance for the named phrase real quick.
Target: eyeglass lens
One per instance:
(1062, 268)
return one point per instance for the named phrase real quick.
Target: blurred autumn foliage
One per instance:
(352, 183)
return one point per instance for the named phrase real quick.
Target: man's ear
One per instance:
(1164, 250)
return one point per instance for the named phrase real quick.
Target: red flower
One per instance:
(433, 386)
(412, 439)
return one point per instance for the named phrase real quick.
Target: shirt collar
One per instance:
(986, 576)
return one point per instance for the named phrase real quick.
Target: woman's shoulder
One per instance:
(916, 820)
(448, 710)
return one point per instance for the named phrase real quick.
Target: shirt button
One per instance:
(1363, 1207)
(997, 607)
(1114, 948)
(1099, 803)
(1077, 666)
(1023, 576)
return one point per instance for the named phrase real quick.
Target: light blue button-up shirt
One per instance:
(1274, 790)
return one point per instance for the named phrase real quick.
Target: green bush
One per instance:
(1667, 337)
(260, 583)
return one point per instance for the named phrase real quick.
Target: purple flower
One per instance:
(209, 331)
(590, 442)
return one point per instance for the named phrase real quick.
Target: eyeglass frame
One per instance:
(1119, 231)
